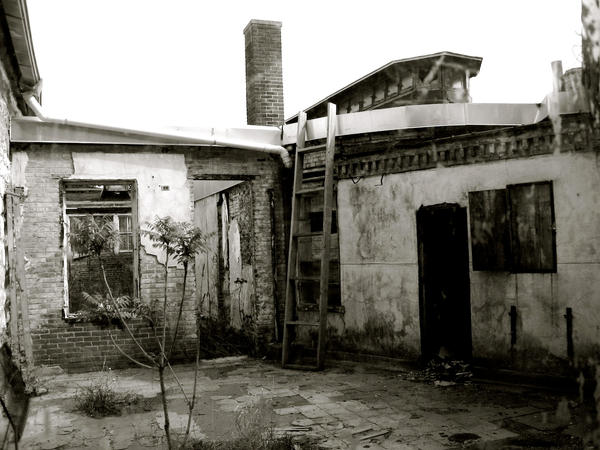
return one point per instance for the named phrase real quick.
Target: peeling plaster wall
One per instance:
(84, 346)
(379, 261)
(8, 109)
(235, 252)
(207, 266)
(153, 171)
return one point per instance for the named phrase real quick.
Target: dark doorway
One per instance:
(444, 305)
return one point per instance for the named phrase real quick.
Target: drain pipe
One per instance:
(211, 140)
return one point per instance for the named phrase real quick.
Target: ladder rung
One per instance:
(313, 179)
(309, 234)
(311, 148)
(299, 367)
(310, 190)
(314, 169)
(302, 324)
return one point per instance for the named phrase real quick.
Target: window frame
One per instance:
(132, 205)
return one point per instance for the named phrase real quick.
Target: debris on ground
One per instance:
(442, 372)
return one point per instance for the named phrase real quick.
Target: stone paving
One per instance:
(348, 407)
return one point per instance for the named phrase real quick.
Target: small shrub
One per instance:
(102, 310)
(100, 399)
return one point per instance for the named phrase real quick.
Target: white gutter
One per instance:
(213, 139)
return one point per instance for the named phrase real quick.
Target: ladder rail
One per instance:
(291, 290)
(327, 213)
(293, 270)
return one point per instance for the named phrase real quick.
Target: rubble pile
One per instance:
(442, 372)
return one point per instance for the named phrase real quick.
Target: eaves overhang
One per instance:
(441, 115)
(17, 20)
(34, 130)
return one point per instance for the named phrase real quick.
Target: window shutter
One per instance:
(532, 227)
(490, 238)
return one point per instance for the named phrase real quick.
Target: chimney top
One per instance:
(264, 80)
(273, 23)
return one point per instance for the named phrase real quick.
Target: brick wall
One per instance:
(264, 81)
(43, 234)
(85, 276)
(54, 337)
(82, 347)
(264, 175)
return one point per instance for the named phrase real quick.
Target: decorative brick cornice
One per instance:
(391, 155)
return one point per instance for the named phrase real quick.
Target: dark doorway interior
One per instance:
(445, 312)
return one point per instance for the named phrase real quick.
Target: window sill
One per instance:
(314, 307)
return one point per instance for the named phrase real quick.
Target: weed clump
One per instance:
(100, 399)
(255, 431)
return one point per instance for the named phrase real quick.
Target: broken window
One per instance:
(111, 204)
(513, 229)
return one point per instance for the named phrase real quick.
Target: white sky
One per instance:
(181, 62)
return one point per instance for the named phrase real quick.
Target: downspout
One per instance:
(211, 140)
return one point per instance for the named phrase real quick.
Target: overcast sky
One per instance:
(181, 62)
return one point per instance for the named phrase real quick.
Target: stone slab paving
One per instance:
(348, 407)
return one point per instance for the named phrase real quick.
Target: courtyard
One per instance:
(347, 406)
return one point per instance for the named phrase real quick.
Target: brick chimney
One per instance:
(264, 81)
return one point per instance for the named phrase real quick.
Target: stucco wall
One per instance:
(379, 262)
(163, 189)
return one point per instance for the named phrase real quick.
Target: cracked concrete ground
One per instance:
(349, 406)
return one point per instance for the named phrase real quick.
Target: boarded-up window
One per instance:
(532, 227)
(490, 239)
(513, 229)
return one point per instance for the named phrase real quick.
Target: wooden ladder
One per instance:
(294, 277)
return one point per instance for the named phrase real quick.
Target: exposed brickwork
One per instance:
(366, 155)
(81, 347)
(240, 209)
(264, 174)
(53, 336)
(264, 81)
(85, 276)
(42, 227)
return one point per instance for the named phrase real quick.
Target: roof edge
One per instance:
(476, 59)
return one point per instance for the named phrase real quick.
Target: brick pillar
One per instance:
(264, 82)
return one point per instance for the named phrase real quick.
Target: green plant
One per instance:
(100, 399)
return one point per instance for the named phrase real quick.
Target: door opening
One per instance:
(444, 303)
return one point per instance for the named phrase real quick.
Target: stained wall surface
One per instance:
(379, 260)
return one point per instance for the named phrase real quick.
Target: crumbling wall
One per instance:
(8, 109)
(206, 217)
(265, 218)
(164, 177)
(84, 346)
(379, 260)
